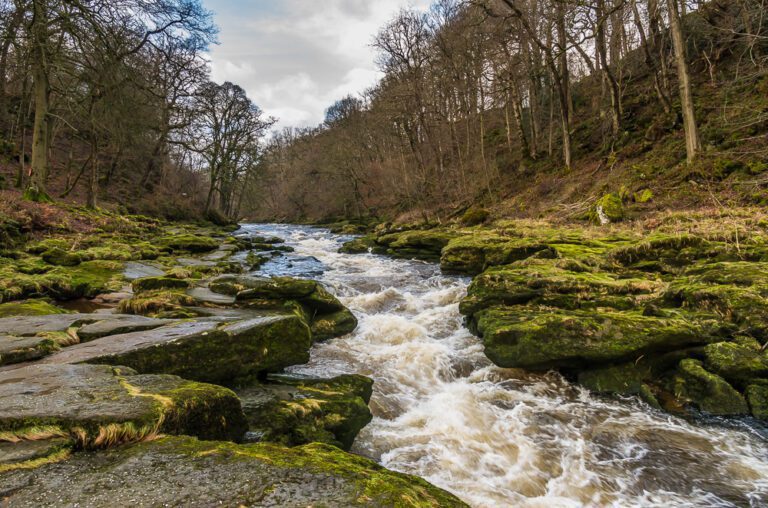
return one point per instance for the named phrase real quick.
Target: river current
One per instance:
(503, 437)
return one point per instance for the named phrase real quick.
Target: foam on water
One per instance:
(502, 437)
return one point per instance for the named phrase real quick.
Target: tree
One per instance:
(692, 140)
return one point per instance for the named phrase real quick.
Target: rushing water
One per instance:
(501, 437)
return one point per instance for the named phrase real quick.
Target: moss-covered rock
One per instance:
(471, 254)
(161, 303)
(757, 397)
(38, 307)
(362, 245)
(61, 257)
(475, 216)
(23, 349)
(335, 324)
(187, 243)
(738, 361)
(426, 245)
(183, 471)
(155, 283)
(102, 406)
(542, 339)
(608, 209)
(706, 391)
(295, 411)
(560, 283)
(203, 350)
(326, 315)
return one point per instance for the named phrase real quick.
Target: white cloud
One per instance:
(294, 58)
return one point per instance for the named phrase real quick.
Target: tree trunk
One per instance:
(41, 132)
(692, 140)
(650, 61)
(613, 85)
(93, 175)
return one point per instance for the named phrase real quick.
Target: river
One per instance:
(501, 437)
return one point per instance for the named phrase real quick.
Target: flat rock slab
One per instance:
(205, 295)
(23, 349)
(136, 270)
(119, 324)
(25, 451)
(178, 471)
(203, 350)
(101, 405)
(27, 326)
(194, 262)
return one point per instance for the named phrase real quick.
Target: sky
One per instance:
(295, 58)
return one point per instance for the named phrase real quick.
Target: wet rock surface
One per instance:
(294, 410)
(101, 406)
(204, 350)
(182, 471)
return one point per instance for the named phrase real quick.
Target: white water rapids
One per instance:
(500, 437)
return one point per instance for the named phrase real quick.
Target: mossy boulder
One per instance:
(560, 283)
(202, 350)
(335, 324)
(542, 339)
(326, 315)
(181, 471)
(608, 209)
(101, 406)
(155, 283)
(738, 361)
(706, 391)
(23, 349)
(37, 307)
(475, 216)
(295, 411)
(161, 303)
(471, 254)
(275, 288)
(362, 245)
(757, 397)
(187, 243)
(61, 257)
(425, 245)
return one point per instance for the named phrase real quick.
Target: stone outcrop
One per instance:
(100, 406)
(181, 471)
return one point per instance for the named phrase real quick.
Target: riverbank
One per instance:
(128, 340)
(670, 309)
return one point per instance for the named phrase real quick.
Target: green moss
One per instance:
(554, 282)
(738, 362)
(426, 245)
(30, 277)
(475, 216)
(188, 243)
(609, 208)
(362, 245)
(643, 196)
(757, 396)
(159, 303)
(301, 411)
(708, 392)
(543, 339)
(60, 257)
(156, 283)
(471, 254)
(335, 324)
(29, 308)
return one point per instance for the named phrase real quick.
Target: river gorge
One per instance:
(504, 437)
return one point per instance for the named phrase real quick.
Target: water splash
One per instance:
(503, 437)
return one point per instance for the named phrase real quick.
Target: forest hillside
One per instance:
(539, 108)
